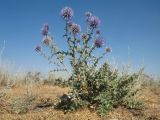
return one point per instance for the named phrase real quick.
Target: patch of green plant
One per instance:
(107, 89)
(134, 104)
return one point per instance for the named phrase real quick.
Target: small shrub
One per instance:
(106, 89)
(103, 88)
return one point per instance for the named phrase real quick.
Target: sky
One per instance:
(130, 27)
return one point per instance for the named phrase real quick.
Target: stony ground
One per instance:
(36, 103)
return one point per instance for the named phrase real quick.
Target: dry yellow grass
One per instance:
(43, 94)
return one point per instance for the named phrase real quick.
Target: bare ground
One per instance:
(40, 99)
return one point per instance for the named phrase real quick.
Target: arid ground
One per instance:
(35, 102)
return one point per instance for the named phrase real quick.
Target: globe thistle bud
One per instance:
(75, 28)
(94, 22)
(45, 30)
(47, 41)
(38, 48)
(70, 23)
(84, 36)
(98, 32)
(67, 13)
(108, 50)
(88, 14)
(99, 42)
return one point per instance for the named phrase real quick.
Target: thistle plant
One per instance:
(90, 86)
(81, 45)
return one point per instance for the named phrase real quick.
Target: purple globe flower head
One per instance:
(38, 48)
(88, 14)
(46, 26)
(94, 22)
(84, 36)
(109, 49)
(99, 42)
(45, 30)
(47, 41)
(70, 23)
(98, 32)
(75, 28)
(67, 13)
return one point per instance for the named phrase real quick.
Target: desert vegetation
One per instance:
(91, 92)
(37, 99)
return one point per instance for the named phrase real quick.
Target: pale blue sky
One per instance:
(133, 23)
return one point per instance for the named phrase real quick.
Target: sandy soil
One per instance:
(43, 97)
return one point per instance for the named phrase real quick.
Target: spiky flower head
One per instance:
(94, 22)
(88, 14)
(99, 42)
(38, 48)
(98, 32)
(84, 36)
(75, 28)
(47, 41)
(70, 23)
(109, 49)
(45, 29)
(67, 13)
